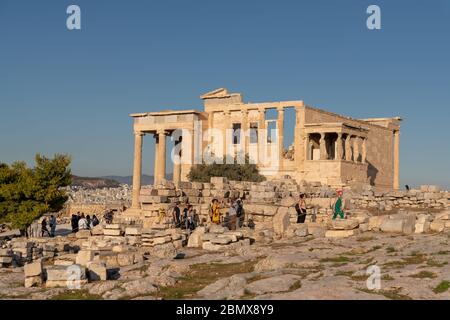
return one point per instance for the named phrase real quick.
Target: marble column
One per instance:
(364, 150)
(356, 149)
(177, 165)
(161, 173)
(155, 166)
(245, 133)
(339, 149)
(396, 160)
(227, 139)
(280, 132)
(323, 147)
(262, 135)
(297, 138)
(137, 170)
(348, 149)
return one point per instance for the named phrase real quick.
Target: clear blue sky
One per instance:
(72, 91)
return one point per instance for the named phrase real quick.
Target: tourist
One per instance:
(108, 216)
(82, 223)
(74, 223)
(176, 212)
(215, 212)
(239, 213)
(88, 221)
(300, 207)
(232, 212)
(52, 225)
(189, 217)
(338, 206)
(95, 221)
(44, 227)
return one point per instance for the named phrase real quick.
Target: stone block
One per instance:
(214, 228)
(132, 231)
(196, 239)
(221, 240)
(33, 269)
(301, 230)
(6, 252)
(84, 257)
(97, 230)
(437, 226)
(344, 224)
(97, 271)
(112, 226)
(281, 221)
(34, 281)
(211, 247)
(341, 233)
(112, 232)
(63, 273)
(422, 227)
(83, 234)
(6, 260)
(125, 259)
(392, 225)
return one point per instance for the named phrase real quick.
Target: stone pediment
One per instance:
(218, 93)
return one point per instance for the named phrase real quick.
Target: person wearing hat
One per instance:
(338, 206)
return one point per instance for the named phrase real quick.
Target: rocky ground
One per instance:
(412, 267)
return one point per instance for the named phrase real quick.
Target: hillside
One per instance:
(94, 183)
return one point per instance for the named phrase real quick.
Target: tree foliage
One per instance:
(236, 172)
(26, 194)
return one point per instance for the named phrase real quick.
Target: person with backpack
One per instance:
(239, 213)
(338, 206)
(176, 212)
(52, 226)
(44, 228)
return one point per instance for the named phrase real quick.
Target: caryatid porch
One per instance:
(336, 152)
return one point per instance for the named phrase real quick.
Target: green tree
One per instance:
(237, 172)
(26, 194)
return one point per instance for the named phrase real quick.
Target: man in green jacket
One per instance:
(338, 206)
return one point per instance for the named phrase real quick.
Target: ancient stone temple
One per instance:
(326, 147)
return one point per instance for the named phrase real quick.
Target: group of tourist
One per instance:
(235, 216)
(186, 219)
(338, 207)
(81, 222)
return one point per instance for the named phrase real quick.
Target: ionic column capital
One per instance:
(161, 132)
(139, 133)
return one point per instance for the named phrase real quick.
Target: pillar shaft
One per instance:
(161, 173)
(245, 134)
(323, 147)
(155, 166)
(339, 148)
(364, 151)
(280, 130)
(297, 137)
(348, 149)
(226, 132)
(177, 166)
(137, 170)
(262, 135)
(396, 159)
(356, 149)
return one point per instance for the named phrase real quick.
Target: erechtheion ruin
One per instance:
(330, 148)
